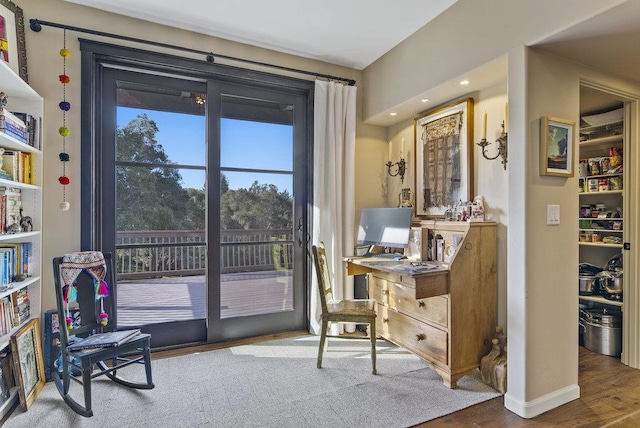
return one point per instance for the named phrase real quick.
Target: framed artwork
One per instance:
(28, 364)
(444, 158)
(13, 49)
(557, 146)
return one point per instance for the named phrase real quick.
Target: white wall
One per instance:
(465, 36)
(489, 176)
(542, 291)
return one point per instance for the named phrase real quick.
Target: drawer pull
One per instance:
(385, 292)
(420, 337)
(385, 320)
(421, 304)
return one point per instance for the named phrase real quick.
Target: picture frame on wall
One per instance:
(26, 348)
(444, 158)
(557, 146)
(13, 49)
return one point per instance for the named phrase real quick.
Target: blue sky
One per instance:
(243, 145)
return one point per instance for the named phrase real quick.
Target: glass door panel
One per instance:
(160, 211)
(260, 291)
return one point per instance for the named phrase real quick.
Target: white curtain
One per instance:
(334, 144)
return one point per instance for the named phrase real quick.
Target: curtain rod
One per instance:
(36, 26)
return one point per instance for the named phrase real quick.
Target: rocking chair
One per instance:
(79, 279)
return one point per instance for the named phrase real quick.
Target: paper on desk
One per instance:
(415, 267)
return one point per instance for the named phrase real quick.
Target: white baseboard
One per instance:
(540, 405)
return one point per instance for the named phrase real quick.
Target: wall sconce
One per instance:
(401, 167)
(502, 145)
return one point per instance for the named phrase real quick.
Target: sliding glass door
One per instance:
(201, 192)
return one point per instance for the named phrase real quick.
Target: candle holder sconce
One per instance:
(400, 168)
(502, 147)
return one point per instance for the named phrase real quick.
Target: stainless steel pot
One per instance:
(588, 284)
(611, 282)
(603, 331)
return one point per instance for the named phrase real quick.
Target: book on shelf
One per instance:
(32, 128)
(10, 204)
(12, 125)
(18, 166)
(8, 117)
(21, 306)
(104, 340)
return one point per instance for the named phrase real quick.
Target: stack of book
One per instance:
(15, 309)
(11, 125)
(33, 129)
(10, 204)
(20, 306)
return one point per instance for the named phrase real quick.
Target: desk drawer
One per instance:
(401, 298)
(378, 289)
(433, 309)
(425, 341)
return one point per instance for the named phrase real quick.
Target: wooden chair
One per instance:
(360, 311)
(92, 311)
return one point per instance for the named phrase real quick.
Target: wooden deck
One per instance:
(149, 301)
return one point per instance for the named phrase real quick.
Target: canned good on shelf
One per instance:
(603, 184)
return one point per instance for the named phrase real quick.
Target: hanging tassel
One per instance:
(69, 319)
(71, 293)
(102, 290)
(103, 318)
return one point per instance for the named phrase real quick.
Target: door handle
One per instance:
(300, 232)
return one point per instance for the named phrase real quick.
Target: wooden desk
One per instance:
(446, 316)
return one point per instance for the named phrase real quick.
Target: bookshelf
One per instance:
(22, 98)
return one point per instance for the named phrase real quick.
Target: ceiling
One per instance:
(355, 33)
(351, 33)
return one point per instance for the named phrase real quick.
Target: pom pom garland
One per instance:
(69, 323)
(64, 131)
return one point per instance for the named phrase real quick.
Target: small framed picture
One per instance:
(557, 146)
(28, 363)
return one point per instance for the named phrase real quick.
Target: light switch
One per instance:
(553, 215)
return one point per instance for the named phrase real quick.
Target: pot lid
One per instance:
(605, 316)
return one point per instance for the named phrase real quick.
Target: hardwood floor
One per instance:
(609, 396)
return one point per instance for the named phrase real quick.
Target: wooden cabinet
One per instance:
(446, 316)
(22, 98)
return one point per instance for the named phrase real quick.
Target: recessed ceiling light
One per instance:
(424, 100)
(393, 113)
(464, 82)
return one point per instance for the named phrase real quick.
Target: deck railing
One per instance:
(157, 253)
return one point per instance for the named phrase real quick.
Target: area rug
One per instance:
(269, 384)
